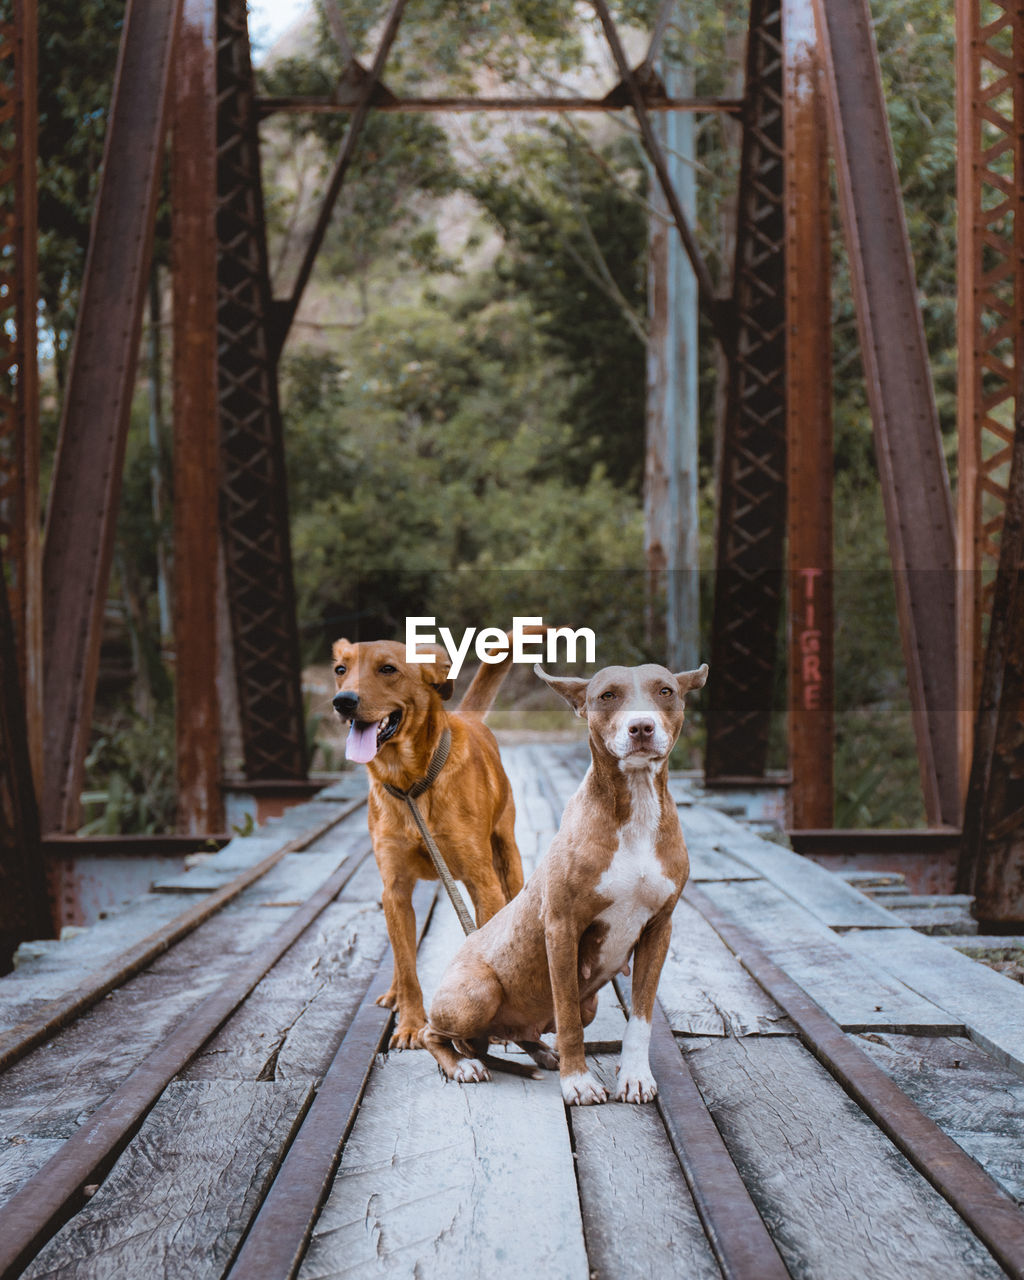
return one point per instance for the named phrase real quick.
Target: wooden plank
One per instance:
(828, 896)
(988, 1004)
(444, 1179)
(39, 1207)
(838, 1198)
(178, 1199)
(291, 1025)
(709, 863)
(937, 921)
(624, 1159)
(702, 823)
(704, 989)
(857, 992)
(53, 1091)
(976, 1100)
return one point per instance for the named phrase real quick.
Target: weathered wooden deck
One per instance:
(235, 1148)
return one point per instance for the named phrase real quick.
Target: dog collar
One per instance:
(437, 763)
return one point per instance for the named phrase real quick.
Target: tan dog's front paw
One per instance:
(388, 1000)
(470, 1071)
(636, 1088)
(583, 1090)
(407, 1036)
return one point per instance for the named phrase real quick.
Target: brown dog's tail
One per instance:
(483, 689)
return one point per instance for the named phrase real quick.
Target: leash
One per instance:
(410, 796)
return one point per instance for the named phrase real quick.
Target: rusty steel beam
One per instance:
(24, 902)
(196, 440)
(752, 482)
(19, 381)
(915, 485)
(716, 310)
(990, 279)
(992, 852)
(254, 499)
(87, 472)
(285, 311)
(808, 425)
(383, 101)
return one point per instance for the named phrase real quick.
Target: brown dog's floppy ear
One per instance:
(436, 673)
(572, 688)
(687, 681)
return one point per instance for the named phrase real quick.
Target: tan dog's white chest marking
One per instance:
(634, 880)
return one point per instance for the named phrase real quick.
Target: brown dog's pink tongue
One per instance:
(361, 743)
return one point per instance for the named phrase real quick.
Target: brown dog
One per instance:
(397, 717)
(605, 889)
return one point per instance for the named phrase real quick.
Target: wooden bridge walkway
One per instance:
(193, 1087)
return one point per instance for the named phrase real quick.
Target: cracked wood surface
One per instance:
(624, 1159)
(177, 1201)
(989, 1004)
(498, 1178)
(976, 1100)
(838, 1198)
(856, 991)
(441, 1179)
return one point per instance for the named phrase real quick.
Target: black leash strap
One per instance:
(437, 763)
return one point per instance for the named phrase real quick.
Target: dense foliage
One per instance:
(464, 389)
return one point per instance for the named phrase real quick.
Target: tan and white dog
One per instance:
(605, 890)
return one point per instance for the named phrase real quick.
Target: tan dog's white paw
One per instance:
(470, 1071)
(583, 1090)
(636, 1088)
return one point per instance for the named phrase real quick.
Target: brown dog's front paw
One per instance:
(407, 1036)
(388, 1000)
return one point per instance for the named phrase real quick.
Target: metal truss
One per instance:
(991, 453)
(752, 494)
(254, 503)
(24, 912)
(908, 445)
(990, 42)
(86, 484)
(992, 850)
(19, 407)
(809, 417)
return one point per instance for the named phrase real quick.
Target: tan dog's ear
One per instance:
(690, 680)
(436, 673)
(572, 688)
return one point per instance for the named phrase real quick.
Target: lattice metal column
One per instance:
(19, 398)
(752, 491)
(990, 105)
(254, 504)
(24, 907)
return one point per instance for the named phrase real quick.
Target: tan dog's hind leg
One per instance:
(405, 992)
(461, 1011)
(579, 1087)
(636, 1083)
